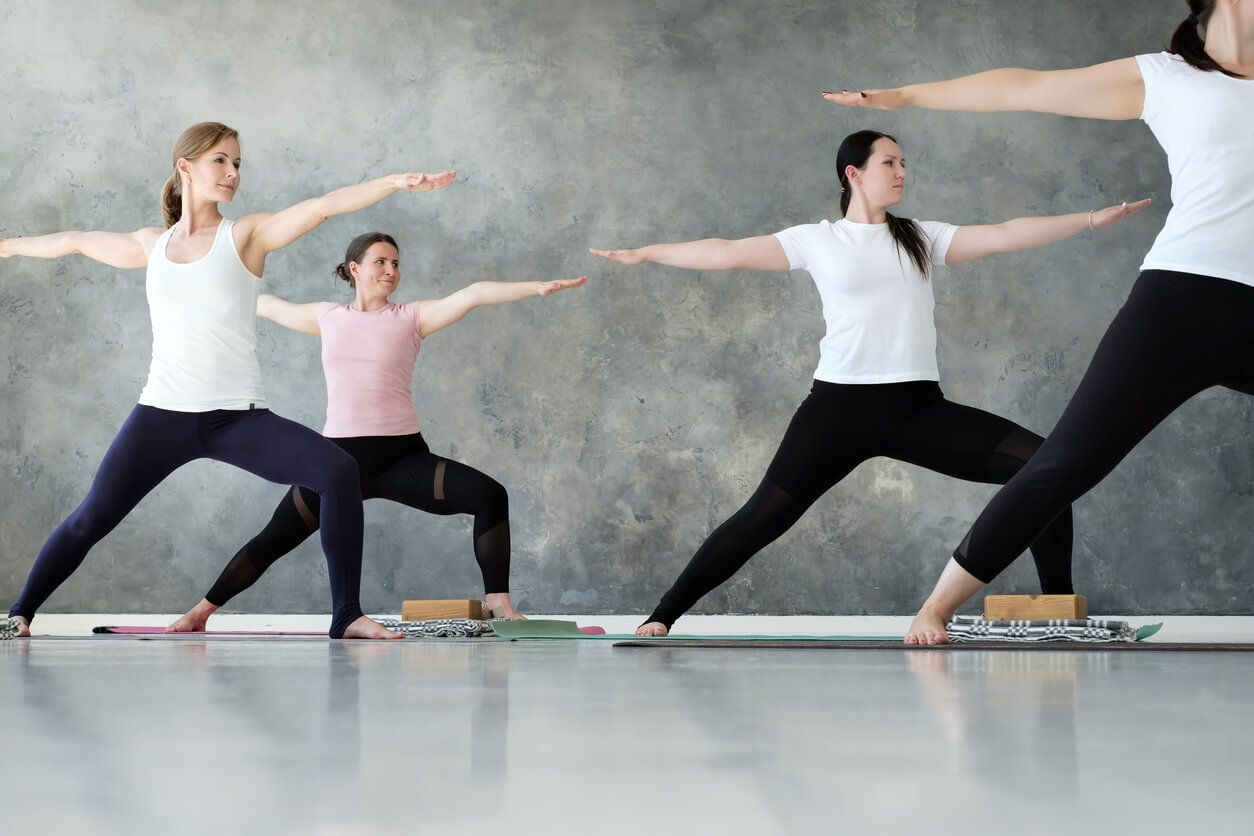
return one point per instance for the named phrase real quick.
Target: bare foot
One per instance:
(23, 626)
(499, 607)
(194, 620)
(367, 628)
(927, 628)
(652, 628)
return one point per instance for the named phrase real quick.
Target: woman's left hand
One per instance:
(545, 288)
(1111, 215)
(420, 182)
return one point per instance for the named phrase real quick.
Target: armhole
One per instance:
(230, 235)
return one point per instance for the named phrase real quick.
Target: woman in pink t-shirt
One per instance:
(369, 348)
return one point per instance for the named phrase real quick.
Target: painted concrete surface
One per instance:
(630, 417)
(118, 736)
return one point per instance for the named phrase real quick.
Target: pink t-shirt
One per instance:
(368, 358)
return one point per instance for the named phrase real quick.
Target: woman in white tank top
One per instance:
(204, 397)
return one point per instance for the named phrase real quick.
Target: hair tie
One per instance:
(1193, 18)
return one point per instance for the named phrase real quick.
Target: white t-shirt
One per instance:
(1205, 123)
(204, 330)
(877, 305)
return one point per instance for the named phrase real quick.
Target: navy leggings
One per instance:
(153, 443)
(1177, 335)
(838, 427)
(401, 468)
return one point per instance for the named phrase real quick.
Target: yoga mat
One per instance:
(839, 643)
(144, 631)
(547, 628)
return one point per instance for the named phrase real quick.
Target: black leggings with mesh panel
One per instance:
(402, 469)
(838, 427)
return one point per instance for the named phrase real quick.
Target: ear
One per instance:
(852, 172)
(352, 270)
(183, 167)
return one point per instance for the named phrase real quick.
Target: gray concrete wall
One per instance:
(631, 417)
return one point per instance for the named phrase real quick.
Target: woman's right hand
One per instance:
(628, 257)
(653, 629)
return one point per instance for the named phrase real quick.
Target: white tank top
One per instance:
(204, 330)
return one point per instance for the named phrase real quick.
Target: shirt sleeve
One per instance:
(939, 236)
(795, 240)
(1153, 72)
(411, 308)
(323, 309)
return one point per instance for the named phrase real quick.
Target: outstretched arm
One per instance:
(1114, 90)
(972, 242)
(298, 317)
(263, 233)
(763, 252)
(125, 250)
(434, 314)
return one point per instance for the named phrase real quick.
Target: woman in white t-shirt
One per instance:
(876, 390)
(1188, 324)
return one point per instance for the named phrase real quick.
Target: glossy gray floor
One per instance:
(311, 736)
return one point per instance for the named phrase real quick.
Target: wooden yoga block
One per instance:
(447, 608)
(1034, 607)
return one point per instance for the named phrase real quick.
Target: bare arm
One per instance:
(1114, 90)
(298, 317)
(125, 250)
(763, 252)
(434, 314)
(259, 234)
(972, 242)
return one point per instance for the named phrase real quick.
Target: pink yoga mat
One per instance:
(135, 630)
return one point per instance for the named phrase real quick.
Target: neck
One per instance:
(196, 216)
(369, 303)
(862, 212)
(1229, 41)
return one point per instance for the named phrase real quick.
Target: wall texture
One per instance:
(630, 417)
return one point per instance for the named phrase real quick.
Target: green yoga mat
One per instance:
(555, 629)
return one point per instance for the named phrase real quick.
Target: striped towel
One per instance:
(9, 628)
(439, 628)
(972, 628)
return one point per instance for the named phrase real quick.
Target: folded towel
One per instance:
(972, 628)
(439, 628)
(9, 628)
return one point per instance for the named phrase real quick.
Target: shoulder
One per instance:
(1156, 65)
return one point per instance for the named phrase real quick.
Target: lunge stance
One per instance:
(876, 390)
(1188, 324)
(369, 349)
(204, 397)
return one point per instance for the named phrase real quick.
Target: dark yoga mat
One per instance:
(827, 644)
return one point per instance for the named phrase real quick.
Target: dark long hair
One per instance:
(1187, 41)
(357, 251)
(854, 151)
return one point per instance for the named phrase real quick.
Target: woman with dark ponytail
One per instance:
(876, 390)
(204, 398)
(1186, 325)
(369, 348)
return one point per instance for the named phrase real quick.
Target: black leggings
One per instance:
(1177, 335)
(837, 428)
(400, 468)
